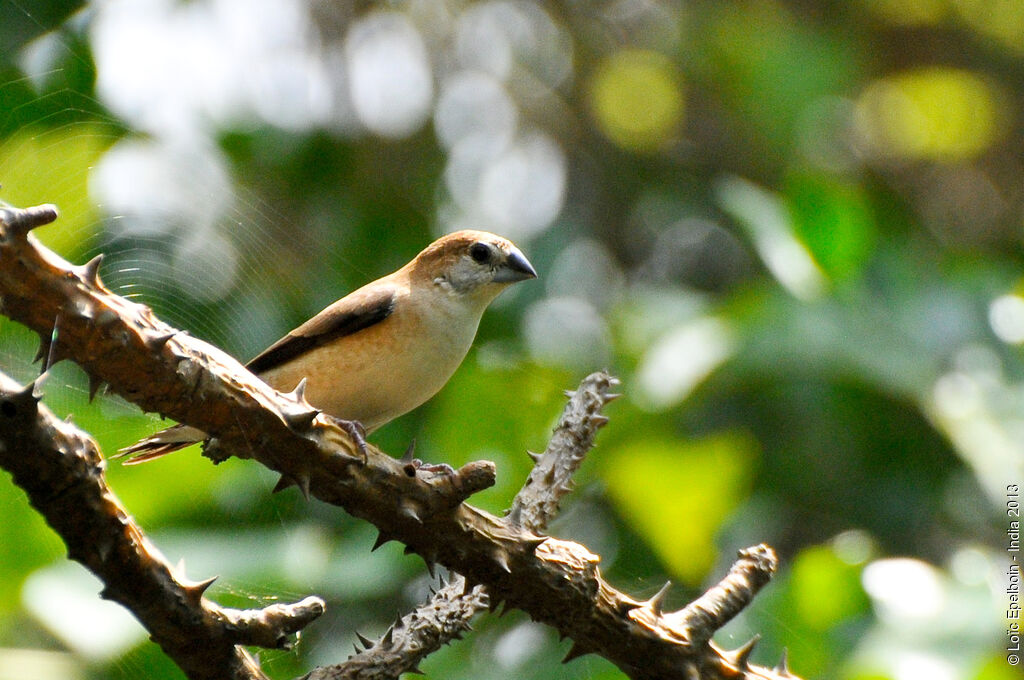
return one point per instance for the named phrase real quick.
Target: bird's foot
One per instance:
(412, 465)
(355, 430)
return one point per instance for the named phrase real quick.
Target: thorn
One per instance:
(783, 666)
(656, 602)
(95, 384)
(26, 397)
(599, 420)
(90, 271)
(611, 396)
(300, 419)
(741, 657)
(303, 482)
(576, 651)
(569, 393)
(431, 568)
(283, 484)
(515, 515)
(367, 643)
(415, 670)
(194, 591)
(37, 385)
(155, 342)
(534, 456)
(626, 605)
(501, 557)
(358, 650)
(408, 511)
(382, 538)
(389, 637)
(534, 542)
(299, 393)
(409, 452)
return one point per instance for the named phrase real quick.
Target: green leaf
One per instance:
(677, 494)
(833, 219)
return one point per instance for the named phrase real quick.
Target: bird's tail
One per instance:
(160, 444)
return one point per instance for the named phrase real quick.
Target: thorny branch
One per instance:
(62, 471)
(117, 341)
(448, 613)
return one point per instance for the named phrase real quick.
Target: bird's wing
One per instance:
(351, 314)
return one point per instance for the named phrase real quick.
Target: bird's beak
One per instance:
(515, 268)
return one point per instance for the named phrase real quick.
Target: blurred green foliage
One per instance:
(793, 228)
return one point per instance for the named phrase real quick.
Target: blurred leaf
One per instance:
(826, 591)
(996, 668)
(27, 540)
(677, 494)
(40, 165)
(833, 219)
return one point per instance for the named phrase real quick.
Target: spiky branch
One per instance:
(62, 471)
(445, 617)
(555, 581)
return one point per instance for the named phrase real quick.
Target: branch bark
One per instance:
(555, 581)
(62, 471)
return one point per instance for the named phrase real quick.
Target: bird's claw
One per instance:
(355, 430)
(413, 465)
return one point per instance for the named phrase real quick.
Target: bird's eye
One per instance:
(480, 252)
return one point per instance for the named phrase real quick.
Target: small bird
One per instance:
(386, 348)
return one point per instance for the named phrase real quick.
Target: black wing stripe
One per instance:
(332, 323)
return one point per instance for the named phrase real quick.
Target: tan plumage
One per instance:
(387, 347)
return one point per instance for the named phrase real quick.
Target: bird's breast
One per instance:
(381, 372)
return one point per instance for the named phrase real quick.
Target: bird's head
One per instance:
(472, 264)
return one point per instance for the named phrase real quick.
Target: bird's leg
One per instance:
(355, 430)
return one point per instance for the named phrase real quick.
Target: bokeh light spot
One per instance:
(1002, 20)
(940, 114)
(637, 99)
(905, 590)
(390, 76)
(1006, 315)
